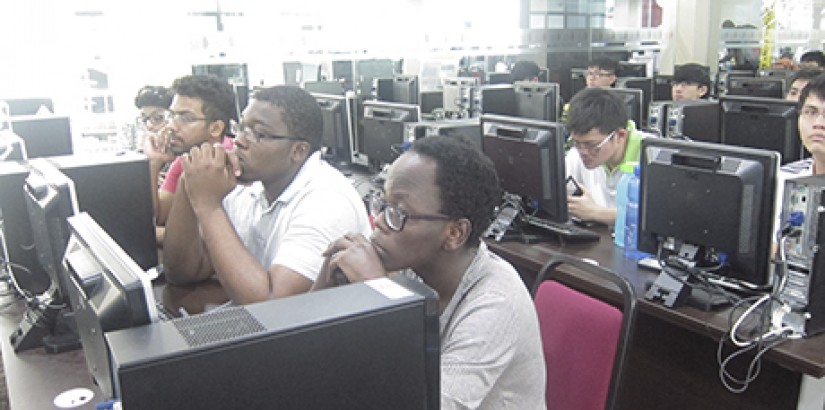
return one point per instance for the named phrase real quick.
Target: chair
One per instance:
(585, 339)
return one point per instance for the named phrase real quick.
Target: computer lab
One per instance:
(417, 204)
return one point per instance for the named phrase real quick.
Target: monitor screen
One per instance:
(12, 147)
(634, 100)
(529, 158)
(338, 113)
(107, 289)
(770, 87)
(431, 100)
(369, 345)
(45, 135)
(765, 123)
(497, 99)
(711, 204)
(383, 131)
(405, 89)
(539, 101)
(29, 106)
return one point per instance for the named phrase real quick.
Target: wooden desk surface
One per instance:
(804, 356)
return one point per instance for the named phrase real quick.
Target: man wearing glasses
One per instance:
(201, 112)
(259, 217)
(440, 197)
(603, 139)
(601, 72)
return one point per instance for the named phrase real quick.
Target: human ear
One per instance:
(458, 231)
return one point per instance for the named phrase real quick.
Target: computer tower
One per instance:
(657, 117)
(370, 345)
(695, 119)
(804, 286)
(459, 96)
(467, 129)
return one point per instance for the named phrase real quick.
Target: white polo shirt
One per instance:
(319, 206)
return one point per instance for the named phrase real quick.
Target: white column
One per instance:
(690, 33)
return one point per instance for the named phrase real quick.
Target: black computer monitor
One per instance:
(12, 147)
(107, 289)
(499, 78)
(578, 80)
(529, 158)
(645, 84)
(540, 101)
(405, 89)
(497, 99)
(766, 123)
(29, 106)
(709, 204)
(338, 113)
(430, 101)
(383, 131)
(627, 69)
(662, 89)
(45, 135)
(368, 345)
(634, 101)
(324, 87)
(769, 87)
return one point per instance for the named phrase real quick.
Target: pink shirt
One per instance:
(170, 184)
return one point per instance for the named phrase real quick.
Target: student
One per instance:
(690, 82)
(200, 112)
(260, 217)
(602, 72)
(524, 70)
(603, 139)
(811, 124)
(812, 60)
(153, 101)
(799, 80)
(440, 197)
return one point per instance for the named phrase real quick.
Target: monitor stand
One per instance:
(44, 325)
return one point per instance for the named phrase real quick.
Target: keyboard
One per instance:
(565, 230)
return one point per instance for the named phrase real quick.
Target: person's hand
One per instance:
(209, 176)
(351, 258)
(156, 147)
(583, 206)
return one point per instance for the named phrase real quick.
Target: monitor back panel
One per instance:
(45, 136)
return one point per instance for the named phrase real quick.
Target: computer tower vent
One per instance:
(224, 324)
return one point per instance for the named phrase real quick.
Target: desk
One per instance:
(34, 378)
(672, 362)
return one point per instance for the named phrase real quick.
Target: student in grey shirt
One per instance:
(440, 197)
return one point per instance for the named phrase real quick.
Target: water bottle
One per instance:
(631, 228)
(621, 204)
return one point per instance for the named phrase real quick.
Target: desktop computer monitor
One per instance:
(338, 114)
(627, 69)
(383, 131)
(662, 90)
(499, 78)
(696, 120)
(578, 80)
(769, 87)
(723, 78)
(44, 135)
(539, 101)
(709, 204)
(405, 89)
(529, 158)
(430, 101)
(497, 99)
(324, 87)
(633, 100)
(639, 83)
(108, 291)
(28, 106)
(465, 128)
(12, 147)
(367, 345)
(765, 123)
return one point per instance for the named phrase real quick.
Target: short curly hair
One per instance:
(217, 96)
(153, 96)
(466, 179)
(302, 113)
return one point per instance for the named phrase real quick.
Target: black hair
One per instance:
(302, 114)
(805, 74)
(216, 94)
(692, 73)
(524, 70)
(816, 87)
(466, 180)
(815, 56)
(153, 96)
(596, 108)
(605, 63)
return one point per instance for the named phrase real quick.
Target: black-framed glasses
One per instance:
(155, 119)
(257, 136)
(396, 217)
(598, 74)
(183, 117)
(590, 147)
